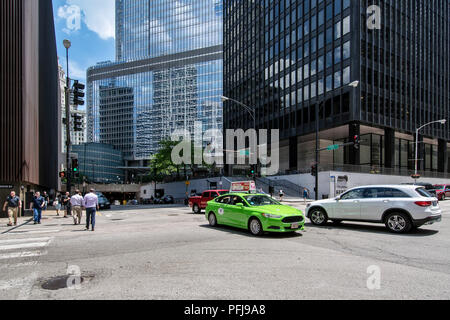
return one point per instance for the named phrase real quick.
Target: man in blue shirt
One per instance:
(14, 205)
(38, 204)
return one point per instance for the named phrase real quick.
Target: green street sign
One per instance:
(333, 147)
(244, 152)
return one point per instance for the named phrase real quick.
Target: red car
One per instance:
(442, 191)
(198, 203)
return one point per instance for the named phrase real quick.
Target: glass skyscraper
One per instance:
(289, 58)
(167, 75)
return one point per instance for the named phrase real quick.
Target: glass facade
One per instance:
(153, 28)
(288, 58)
(100, 163)
(168, 74)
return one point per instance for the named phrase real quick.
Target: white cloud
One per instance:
(76, 71)
(98, 16)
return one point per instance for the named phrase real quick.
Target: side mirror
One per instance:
(240, 205)
(338, 198)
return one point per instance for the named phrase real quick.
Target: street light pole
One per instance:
(443, 122)
(250, 110)
(67, 45)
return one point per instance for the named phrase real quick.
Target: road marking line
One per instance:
(25, 246)
(25, 240)
(35, 231)
(24, 254)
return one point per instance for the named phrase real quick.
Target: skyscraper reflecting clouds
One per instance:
(169, 69)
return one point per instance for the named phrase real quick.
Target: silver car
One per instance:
(399, 207)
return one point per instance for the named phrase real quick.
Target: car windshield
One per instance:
(424, 193)
(260, 200)
(439, 187)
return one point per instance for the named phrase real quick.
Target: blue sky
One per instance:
(90, 26)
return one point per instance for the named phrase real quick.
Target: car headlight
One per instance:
(273, 216)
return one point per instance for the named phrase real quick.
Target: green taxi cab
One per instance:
(258, 213)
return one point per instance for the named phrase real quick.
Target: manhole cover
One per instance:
(62, 282)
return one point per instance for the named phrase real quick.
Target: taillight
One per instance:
(423, 203)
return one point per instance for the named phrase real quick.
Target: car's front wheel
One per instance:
(196, 209)
(255, 227)
(212, 220)
(398, 222)
(318, 217)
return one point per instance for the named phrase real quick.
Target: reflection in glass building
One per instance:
(297, 63)
(167, 75)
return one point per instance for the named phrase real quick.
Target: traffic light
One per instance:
(356, 141)
(253, 170)
(77, 122)
(78, 93)
(75, 167)
(314, 170)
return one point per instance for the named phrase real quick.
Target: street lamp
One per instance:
(250, 110)
(443, 122)
(67, 44)
(354, 85)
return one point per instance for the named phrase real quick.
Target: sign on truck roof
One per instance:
(243, 186)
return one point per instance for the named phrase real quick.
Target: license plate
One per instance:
(294, 226)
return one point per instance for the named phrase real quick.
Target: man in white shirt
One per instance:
(91, 205)
(77, 204)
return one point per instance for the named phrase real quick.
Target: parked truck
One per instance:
(198, 203)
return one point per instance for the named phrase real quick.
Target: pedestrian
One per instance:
(305, 195)
(46, 199)
(91, 205)
(37, 204)
(281, 195)
(14, 205)
(77, 203)
(66, 204)
(57, 203)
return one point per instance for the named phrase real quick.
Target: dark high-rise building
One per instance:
(285, 58)
(28, 96)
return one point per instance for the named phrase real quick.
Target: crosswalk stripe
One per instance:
(25, 240)
(24, 254)
(24, 246)
(35, 231)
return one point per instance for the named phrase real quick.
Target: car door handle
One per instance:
(356, 201)
(386, 201)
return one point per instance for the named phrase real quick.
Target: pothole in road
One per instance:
(62, 282)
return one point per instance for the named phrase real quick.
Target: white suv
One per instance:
(399, 207)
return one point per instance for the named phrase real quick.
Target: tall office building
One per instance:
(288, 57)
(167, 75)
(28, 97)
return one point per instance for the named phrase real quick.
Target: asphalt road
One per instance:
(169, 253)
